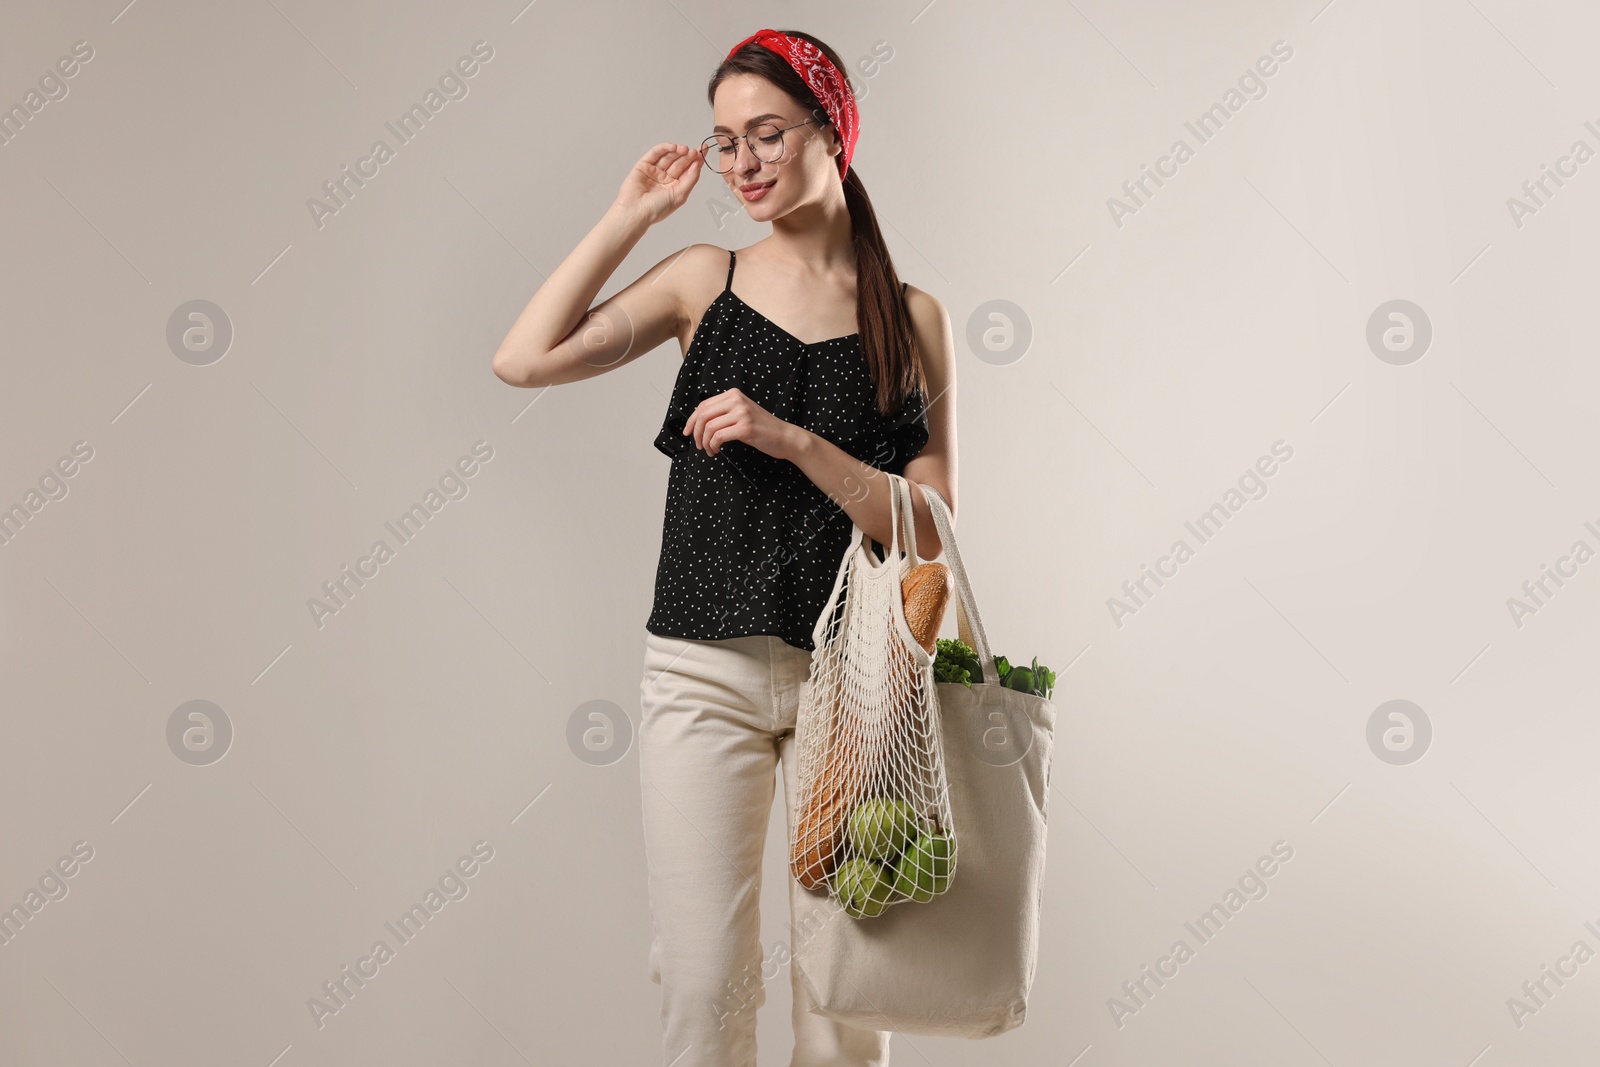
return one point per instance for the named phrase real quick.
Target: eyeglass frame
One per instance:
(745, 137)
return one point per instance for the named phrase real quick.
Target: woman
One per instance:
(776, 443)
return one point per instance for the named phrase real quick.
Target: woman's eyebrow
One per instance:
(752, 122)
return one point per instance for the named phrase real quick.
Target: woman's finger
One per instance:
(721, 422)
(709, 408)
(654, 157)
(695, 426)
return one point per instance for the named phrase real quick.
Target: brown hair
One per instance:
(887, 340)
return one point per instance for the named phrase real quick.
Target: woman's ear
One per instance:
(826, 124)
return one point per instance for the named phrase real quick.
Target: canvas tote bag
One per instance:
(961, 964)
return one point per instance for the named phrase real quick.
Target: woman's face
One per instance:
(809, 161)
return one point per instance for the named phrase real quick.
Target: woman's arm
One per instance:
(856, 486)
(559, 338)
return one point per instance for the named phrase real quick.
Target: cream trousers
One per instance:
(717, 718)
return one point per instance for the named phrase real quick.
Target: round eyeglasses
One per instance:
(766, 144)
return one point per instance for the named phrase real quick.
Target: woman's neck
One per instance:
(815, 239)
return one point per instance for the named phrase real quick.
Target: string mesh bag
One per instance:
(875, 827)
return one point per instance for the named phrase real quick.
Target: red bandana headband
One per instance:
(824, 80)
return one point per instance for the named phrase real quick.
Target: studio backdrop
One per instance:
(320, 644)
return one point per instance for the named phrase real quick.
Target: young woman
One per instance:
(778, 428)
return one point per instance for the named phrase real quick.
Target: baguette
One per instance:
(926, 592)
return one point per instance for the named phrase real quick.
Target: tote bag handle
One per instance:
(968, 621)
(899, 555)
(901, 551)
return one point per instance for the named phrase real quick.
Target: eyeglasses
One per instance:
(766, 144)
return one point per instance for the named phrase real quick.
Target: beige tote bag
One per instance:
(961, 964)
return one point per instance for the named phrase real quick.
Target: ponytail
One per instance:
(887, 339)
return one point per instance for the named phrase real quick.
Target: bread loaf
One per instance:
(926, 592)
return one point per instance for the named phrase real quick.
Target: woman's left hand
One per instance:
(732, 416)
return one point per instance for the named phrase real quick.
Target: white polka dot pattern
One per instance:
(749, 545)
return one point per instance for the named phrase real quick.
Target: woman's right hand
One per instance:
(660, 182)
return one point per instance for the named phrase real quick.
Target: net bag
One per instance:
(875, 827)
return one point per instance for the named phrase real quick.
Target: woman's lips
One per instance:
(756, 192)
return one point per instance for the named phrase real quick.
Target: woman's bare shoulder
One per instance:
(930, 321)
(697, 275)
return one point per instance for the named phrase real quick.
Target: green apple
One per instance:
(926, 867)
(862, 887)
(880, 828)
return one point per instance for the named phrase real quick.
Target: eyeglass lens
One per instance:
(719, 150)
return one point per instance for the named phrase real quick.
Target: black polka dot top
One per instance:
(749, 544)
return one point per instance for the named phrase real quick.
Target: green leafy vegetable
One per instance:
(957, 661)
(1040, 681)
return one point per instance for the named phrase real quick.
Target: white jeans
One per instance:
(717, 717)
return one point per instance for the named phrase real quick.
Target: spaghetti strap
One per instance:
(728, 286)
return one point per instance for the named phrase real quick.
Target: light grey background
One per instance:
(1168, 353)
